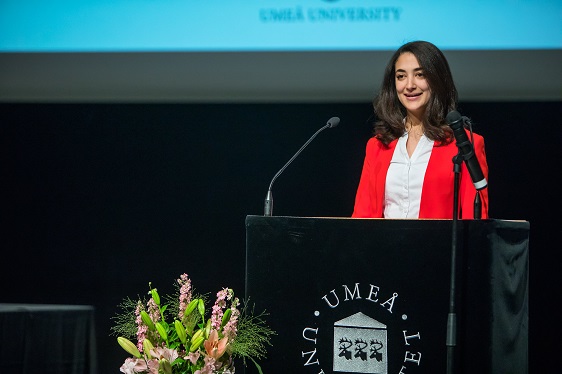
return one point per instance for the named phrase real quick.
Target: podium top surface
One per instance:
(404, 223)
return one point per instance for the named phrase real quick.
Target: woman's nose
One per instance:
(410, 83)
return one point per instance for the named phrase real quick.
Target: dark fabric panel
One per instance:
(57, 339)
(510, 297)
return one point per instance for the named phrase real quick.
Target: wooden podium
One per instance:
(349, 295)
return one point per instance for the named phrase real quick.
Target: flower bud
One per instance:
(181, 331)
(226, 316)
(155, 296)
(147, 321)
(191, 306)
(196, 343)
(197, 334)
(147, 346)
(162, 331)
(128, 346)
(201, 307)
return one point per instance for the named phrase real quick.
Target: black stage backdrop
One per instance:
(99, 199)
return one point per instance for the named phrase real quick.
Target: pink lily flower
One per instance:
(139, 365)
(167, 353)
(215, 348)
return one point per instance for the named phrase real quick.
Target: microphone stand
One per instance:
(268, 203)
(451, 340)
(466, 153)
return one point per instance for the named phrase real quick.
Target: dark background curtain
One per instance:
(100, 199)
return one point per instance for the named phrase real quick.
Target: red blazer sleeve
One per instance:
(369, 199)
(439, 184)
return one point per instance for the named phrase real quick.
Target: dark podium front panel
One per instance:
(352, 295)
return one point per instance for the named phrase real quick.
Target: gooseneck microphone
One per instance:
(268, 206)
(456, 122)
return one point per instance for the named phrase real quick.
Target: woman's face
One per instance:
(411, 87)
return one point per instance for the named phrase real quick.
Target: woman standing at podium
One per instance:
(408, 169)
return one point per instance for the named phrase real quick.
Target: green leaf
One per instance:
(257, 365)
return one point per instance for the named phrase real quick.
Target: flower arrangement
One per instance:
(190, 343)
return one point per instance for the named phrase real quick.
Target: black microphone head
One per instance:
(454, 118)
(333, 122)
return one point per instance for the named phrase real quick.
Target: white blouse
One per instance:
(404, 179)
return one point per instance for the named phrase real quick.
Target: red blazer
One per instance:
(438, 185)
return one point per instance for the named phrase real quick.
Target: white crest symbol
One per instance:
(360, 345)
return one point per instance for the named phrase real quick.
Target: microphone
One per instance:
(268, 206)
(456, 122)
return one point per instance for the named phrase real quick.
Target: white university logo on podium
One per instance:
(360, 345)
(360, 342)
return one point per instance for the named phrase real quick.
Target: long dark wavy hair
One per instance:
(389, 112)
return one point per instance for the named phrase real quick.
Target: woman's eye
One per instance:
(400, 76)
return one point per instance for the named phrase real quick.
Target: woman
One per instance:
(408, 171)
